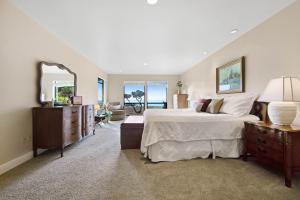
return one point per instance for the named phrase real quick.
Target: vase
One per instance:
(179, 90)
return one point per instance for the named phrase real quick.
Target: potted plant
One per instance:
(179, 86)
(108, 115)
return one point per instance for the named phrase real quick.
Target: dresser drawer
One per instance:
(70, 122)
(72, 112)
(264, 134)
(268, 153)
(90, 109)
(267, 143)
(269, 134)
(72, 135)
(90, 117)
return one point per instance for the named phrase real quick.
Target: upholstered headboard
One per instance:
(259, 109)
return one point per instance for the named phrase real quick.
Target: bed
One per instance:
(171, 135)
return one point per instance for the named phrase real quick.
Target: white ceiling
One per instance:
(120, 36)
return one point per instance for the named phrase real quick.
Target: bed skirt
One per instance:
(173, 151)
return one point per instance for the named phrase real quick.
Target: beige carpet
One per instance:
(97, 169)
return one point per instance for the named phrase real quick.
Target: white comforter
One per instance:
(187, 125)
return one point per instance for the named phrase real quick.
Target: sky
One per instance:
(156, 92)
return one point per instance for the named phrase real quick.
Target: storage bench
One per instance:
(131, 132)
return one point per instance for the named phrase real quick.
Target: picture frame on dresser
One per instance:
(77, 100)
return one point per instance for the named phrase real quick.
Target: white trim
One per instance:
(15, 162)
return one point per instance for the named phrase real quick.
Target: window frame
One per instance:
(145, 84)
(98, 82)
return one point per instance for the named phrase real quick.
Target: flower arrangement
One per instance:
(179, 85)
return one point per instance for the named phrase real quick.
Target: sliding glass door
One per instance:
(141, 95)
(134, 96)
(157, 92)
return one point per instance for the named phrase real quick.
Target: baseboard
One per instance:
(15, 162)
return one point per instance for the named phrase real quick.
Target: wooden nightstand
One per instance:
(274, 146)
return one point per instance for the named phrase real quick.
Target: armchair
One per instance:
(118, 112)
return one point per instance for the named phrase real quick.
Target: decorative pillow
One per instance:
(112, 107)
(193, 104)
(199, 107)
(238, 105)
(205, 103)
(214, 106)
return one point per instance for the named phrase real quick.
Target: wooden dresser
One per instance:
(88, 120)
(180, 101)
(58, 127)
(274, 146)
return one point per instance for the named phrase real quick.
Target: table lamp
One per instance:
(282, 93)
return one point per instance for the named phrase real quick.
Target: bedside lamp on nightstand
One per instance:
(282, 93)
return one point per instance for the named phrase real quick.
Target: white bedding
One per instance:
(173, 151)
(165, 127)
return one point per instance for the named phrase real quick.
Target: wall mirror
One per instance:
(57, 84)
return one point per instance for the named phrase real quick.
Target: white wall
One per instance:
(23, 43)
(272, 50)
(116, 83)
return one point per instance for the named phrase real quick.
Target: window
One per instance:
(140, 95)
(157, 94)
(100, 91)
(134, 96)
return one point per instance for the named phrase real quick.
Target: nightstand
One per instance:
(274, 146)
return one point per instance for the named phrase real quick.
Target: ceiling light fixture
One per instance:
(234, 31)
(204, 53)
(146, 64)
(152, 2)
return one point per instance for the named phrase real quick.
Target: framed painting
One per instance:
(231, 77)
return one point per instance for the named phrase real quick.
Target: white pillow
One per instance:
(199, 107)
(195, 105)
(238, 105)
(114, 107)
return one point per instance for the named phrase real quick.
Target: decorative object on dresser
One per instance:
(282, 93)
(275, 146)
(180, 101)
(56, 127)
(131, 132)
(88, 120)
(231, 77)
(77, 100)
(179, 86)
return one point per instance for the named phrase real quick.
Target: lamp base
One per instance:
(282, 113)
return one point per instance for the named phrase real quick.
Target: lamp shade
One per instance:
(282, 89)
